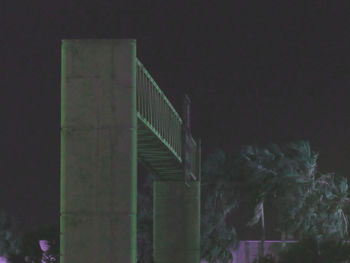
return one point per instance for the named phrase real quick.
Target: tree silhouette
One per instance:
(303, 199)
(10, 235)
(218, 199)
(277, 175)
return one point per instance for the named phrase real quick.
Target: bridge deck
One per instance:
(155, 155)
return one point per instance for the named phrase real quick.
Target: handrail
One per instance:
(157, 112)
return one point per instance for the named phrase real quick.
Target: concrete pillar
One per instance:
(176, 222)
(98, 151)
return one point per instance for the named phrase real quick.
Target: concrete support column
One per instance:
(98, 151)
(176, 222)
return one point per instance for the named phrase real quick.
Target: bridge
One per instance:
(161, 133)
(113, 115)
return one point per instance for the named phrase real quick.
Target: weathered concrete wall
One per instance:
(176, 222)
(98, 151)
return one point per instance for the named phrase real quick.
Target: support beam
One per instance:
(98, 151)
(176, 222)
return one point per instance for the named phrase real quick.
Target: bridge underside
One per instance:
(155, 155)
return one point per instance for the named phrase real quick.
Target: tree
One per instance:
(276, 174)
(259, 180)
(307, 201)
(298, 169)
(218, 200)
(324, 214)
(216, 239)
(318, 203)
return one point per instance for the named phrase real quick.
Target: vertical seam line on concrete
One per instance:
(111, 137)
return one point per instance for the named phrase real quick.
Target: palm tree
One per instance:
(280, 175)
(316, 202)
(298, 168)
(260, 180)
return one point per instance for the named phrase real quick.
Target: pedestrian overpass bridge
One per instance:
(161, 133)
(113, 114)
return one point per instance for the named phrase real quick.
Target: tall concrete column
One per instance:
(176, 222)
(98, 151)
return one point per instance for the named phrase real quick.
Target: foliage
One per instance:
(16, 241)
(278, 174)
(10, 235)
(299, 173)
(38, 232)
(299, 191)
(272, 175)
(216, 240)
(325, 210)
(218, 199)
(306, 201)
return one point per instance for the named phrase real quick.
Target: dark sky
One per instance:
(256, 72)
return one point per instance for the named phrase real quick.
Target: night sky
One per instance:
(256, 72)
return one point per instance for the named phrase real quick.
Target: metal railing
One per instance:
(157, 112)
(193, 158)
